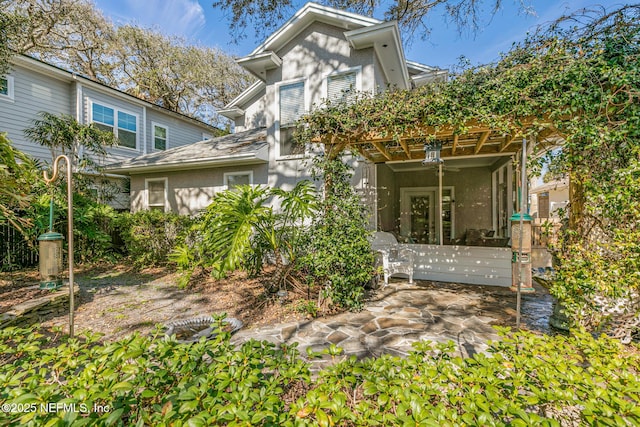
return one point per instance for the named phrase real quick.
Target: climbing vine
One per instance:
(576, 81)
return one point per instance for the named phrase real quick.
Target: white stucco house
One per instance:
(458, 222)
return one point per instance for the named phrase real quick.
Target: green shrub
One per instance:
(522, 380)
(338, 256)
(150, 236)
(241, 229)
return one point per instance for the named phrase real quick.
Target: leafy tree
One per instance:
(69, 33)
(75, 35)
(166, 71)
(412, 15)
(18, 175)
(9, 24)
(338, 257)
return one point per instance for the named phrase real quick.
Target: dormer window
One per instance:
(291, 108)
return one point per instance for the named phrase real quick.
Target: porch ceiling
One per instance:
(475, 141)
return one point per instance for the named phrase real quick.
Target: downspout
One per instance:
(523, 192)
(440, 226)
(144, 130)
(79, 105)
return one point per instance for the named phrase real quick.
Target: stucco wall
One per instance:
(190, 191)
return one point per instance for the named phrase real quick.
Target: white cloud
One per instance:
(178, 17)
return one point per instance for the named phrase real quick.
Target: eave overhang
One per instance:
(258, 64)
(386, 42)
(260, 156)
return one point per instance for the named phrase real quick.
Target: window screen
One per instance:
(127, 129)
(156, 194)
(291, 108)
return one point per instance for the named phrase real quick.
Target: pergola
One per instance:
(473, 139)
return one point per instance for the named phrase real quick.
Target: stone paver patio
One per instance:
(400, 314)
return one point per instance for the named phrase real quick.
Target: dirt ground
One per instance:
(117, 300)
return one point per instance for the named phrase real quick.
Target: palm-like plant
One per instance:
(239, 227)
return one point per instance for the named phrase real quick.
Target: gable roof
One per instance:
(242, 148)
(361, 32)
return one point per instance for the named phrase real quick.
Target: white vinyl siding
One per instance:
(291, 108)
(156, 194)
(160, 136)
(6, 88)
(123, 124)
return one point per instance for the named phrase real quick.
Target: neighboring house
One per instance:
(325, 53)
(547, 199)
(32, 86)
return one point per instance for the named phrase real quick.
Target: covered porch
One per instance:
(454, 213)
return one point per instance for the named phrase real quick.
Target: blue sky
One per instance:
(200, 23)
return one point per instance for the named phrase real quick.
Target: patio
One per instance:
(400, 314)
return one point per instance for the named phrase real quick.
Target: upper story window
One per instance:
(6, 87)
(127, 127)
(124, 125)
(160, 136)
(291, 108)
(341, 86)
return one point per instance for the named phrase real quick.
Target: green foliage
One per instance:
(338, 256)
(523, 379)
(150, 236)
(18, 175)
(577, 79)
(241, 230)
(62, 134)
(143, 380)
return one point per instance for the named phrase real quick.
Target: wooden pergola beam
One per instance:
(382, 149)
(405, 147)
(507, 141)
(456, 137)
(483, 138)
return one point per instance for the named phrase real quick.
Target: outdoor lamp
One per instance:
(432, 153)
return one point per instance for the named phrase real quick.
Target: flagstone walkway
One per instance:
(401, 314)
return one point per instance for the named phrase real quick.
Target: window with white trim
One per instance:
(124, 125)
(6, 87)
(160, 136)
(341, 87)
(156, 194)
(233, 179)
(291, 108)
